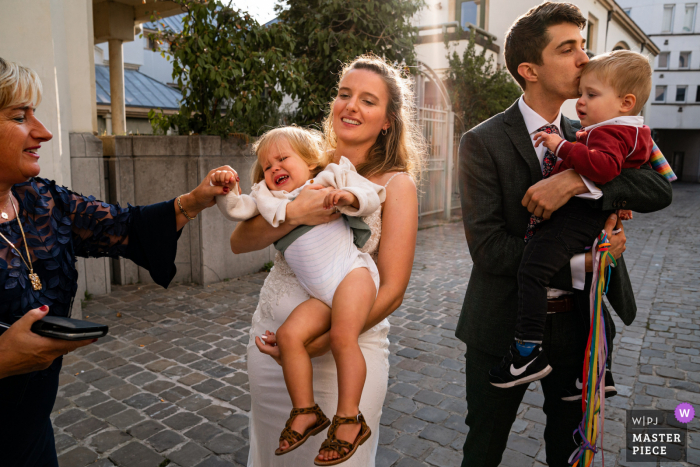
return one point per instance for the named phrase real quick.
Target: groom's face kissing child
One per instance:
(558, 71)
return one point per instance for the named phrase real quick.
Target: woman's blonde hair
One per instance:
(403, 147)
(18, 85)
(305, 143)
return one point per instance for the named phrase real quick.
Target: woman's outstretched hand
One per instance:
(22, 351)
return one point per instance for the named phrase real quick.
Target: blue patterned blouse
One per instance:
(60, 226)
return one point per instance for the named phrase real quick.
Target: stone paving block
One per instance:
(108, 440)
(431, 414)
(69, 417)
(215, 462)
(91, 399)
(86, 427)
(442, 457)
(107, 409)
(164, 440)
(77, 457)
(145, 429)
(182, 420)
(63, 442)
(194, 402)
(189, 455)
(225, 443)
(203, 433)
(439, 434)
(235, 422)
(142, 400)
(386, 457)
(125, 419)
(135, 454)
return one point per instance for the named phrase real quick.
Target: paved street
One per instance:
(170, 384)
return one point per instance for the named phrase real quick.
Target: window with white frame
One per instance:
(684, 60)
(592, 35)
(681, 91)
(689, 17)
(660, 95)
(667, 19)
(663, 59)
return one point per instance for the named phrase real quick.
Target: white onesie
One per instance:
(323, 256)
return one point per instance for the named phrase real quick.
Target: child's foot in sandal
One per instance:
(301, 425)
(345, 435)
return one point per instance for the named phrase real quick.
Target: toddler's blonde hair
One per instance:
(304, 142)
(626, 71)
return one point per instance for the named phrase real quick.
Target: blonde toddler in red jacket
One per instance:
(614, 88)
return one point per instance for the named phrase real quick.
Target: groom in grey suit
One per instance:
(501, 184)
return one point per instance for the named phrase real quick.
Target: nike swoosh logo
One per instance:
(579, 384)
(518, 372)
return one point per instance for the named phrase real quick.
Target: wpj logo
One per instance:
(656, 435)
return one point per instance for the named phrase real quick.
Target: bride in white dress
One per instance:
(370, 123)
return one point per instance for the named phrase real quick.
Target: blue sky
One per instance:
(262, 10)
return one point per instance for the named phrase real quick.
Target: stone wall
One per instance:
(148, 169)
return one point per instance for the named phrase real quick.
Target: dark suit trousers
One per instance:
(492, 410)
(571, 229)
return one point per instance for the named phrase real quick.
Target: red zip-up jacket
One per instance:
(601, 152)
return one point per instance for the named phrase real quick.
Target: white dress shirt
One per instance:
(533, 122)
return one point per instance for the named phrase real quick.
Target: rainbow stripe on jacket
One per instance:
(660, 164)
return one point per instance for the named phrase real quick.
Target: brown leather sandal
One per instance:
(338, 445)
(296, 439)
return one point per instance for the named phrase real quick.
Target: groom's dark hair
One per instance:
(527, 37)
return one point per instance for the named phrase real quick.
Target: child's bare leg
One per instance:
(352, 303)
(308, 321)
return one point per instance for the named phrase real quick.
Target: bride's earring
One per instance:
(384, 131)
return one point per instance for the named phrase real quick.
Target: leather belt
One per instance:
(560, 304)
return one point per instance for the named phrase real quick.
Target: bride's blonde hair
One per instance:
(403, 147)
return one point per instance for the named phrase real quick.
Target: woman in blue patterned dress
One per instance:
(43, 228)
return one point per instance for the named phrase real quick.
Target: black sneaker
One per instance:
(573, 392)
(516, 369)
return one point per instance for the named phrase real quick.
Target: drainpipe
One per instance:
(607, 26)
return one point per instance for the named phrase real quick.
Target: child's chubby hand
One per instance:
(339, 198)
(550, 141)
(267, 344)
(227, 178)
(624, 214)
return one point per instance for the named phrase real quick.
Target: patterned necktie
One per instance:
(547, 167)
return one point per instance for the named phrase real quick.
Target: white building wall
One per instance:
(60, 49)
(500, 15)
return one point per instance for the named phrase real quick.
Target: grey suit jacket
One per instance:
(497, 164)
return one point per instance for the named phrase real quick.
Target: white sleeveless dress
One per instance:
(270, 402)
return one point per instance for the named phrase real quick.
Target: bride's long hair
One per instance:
(403, 147)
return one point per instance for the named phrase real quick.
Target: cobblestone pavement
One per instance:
(169, 383)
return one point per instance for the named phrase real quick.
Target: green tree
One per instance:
(328, 33)
(479, 89)
(232, 71)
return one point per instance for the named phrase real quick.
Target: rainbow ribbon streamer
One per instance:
(593, 400)
(660, 164)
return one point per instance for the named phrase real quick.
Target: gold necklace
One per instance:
(34, 278)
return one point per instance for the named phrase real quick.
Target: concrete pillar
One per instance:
(116, 86)
(108, 124)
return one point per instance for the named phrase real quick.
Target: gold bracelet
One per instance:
(182, 210)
